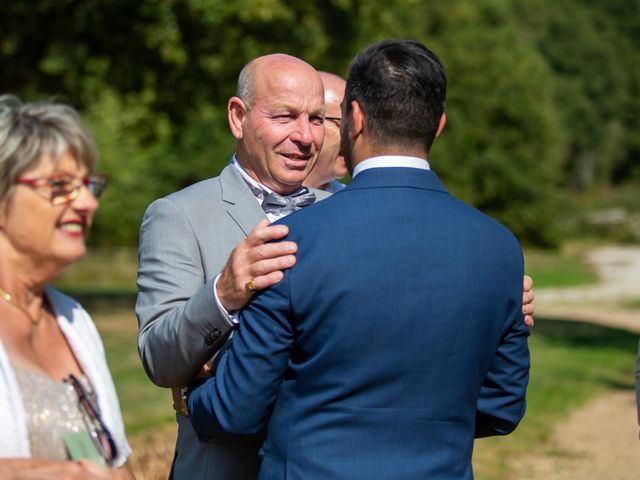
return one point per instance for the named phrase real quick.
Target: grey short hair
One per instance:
(29, 131)
(245, 89)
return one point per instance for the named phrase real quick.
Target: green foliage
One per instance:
(543, 96)
(501, 149)
(597, 90)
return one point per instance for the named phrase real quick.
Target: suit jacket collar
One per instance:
(397, 177)
(241, 205)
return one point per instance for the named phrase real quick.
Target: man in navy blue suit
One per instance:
(398, 336)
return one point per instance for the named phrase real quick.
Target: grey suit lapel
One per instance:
(241, 205)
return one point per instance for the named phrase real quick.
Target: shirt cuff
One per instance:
(231, 317)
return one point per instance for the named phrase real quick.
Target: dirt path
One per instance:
(597, 442)
(600, 440)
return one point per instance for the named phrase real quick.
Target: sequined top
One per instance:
(52, 409)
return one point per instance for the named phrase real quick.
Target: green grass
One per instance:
(632, 304)
(572, 362)
(558, 268)
(144, 406)
(102, 270)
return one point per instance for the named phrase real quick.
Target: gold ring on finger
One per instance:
(251, 287)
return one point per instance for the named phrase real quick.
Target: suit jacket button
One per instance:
(212, 336)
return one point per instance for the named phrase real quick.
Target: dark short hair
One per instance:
(401, 87)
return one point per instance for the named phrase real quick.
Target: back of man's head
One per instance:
(400, 86)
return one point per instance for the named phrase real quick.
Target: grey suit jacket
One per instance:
(185, 241)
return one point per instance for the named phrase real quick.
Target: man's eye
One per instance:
(317, 120)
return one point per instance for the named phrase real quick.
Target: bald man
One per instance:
(330, 167)
(190, 275)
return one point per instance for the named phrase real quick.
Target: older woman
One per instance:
(59, 414)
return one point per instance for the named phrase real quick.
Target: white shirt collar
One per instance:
(246, 177)
(386, 161)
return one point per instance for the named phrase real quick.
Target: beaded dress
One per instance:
(53, 410)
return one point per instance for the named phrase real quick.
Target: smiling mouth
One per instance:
(296, 156)
(74, 227)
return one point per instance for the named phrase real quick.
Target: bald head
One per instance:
(333, 91)
(255, 71)
(277, 119)
(330, 165)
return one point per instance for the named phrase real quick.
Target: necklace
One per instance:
(10, 300)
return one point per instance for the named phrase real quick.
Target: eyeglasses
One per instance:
(98, 430)
(65, 188)
(335, 120)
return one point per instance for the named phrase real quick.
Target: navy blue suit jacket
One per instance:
(395, 340)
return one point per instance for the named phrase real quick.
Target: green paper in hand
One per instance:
(81, 447)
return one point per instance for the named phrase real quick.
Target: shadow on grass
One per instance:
(574, 333)
(606, 355)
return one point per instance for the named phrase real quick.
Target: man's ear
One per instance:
(236, 113)
(443, 120)
(359, 120)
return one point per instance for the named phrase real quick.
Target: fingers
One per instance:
(206, 371)
(265, 232)
(90, 471)
(527, 301)
(528, 295)
(270, 251)
(255, 264)
(528, 321)
(528, 309)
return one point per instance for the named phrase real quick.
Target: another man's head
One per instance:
(399, 87)
(330, 165)
(277, 119)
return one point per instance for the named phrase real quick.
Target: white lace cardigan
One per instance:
(86, 344)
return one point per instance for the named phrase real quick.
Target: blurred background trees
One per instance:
(542, 105)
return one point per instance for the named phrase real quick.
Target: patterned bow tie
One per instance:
(273, 201)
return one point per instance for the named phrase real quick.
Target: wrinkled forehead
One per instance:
(289, 83)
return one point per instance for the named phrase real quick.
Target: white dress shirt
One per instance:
(389, 161)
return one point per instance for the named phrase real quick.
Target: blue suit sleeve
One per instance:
(239, 398)
(502, 403)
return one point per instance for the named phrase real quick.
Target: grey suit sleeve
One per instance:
(180, 326)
